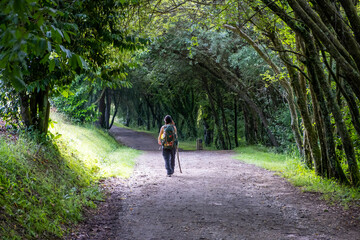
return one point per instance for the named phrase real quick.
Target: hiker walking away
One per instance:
(168, 139)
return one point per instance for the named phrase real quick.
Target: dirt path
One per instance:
(216, 197)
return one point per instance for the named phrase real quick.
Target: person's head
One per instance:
(168, 119)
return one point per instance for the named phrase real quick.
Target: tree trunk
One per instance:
(102, 109)
(345, 90)
(307, 151)
(236, 123)
(148, 117)
(217, 120)
(107, 108)
(116, 105)
(333, 16)
(250, 126)
(317, 79)
(231, 80)
(352, 16)
(150, 108)
(25, 109)
(341, 127)
(321, 133)
(308, 40)
(284, 82)
(224, 121)
(44, 111)
(351, 103)
(341, 56)
(302, 103)
(208, 134)
(208, 130)
(325, 35)
(35, 110)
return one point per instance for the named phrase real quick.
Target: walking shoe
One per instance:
(169, 175)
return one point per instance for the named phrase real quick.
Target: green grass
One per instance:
(187, 145)
(44, 188)
(95, 148)
(40, 191)
(260, 156)
(190, 145)
(292, 169)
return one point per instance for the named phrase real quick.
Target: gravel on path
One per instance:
(216, 197)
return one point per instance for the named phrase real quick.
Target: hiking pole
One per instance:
(177, 153)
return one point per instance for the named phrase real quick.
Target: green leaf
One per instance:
(19, 7)
(52, 65)
(56, 34)
(60, 32)
(43, 46)
(83, 63)
(18, 82)
(66, 51)
(67, 38)
(40, 21)
(65, 93)
(45, 59)
(73, 61)
(57, 136)
(49, 48)
(80, 62)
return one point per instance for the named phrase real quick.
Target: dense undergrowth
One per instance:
(292, 168)
(45, 187)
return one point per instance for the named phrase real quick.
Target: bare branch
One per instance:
(278, 50)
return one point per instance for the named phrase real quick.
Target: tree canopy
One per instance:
(280, 73)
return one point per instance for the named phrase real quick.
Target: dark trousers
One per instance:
(169, 157)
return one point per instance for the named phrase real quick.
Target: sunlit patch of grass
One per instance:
(293, 169)
(97, 150)
(260, 156)
(119, 163)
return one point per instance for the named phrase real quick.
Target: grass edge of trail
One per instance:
(96, 148)
(291, 168)
(45, 187)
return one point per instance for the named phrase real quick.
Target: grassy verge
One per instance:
(190, 145)
(292, 169)
(98, 151)
(44, 188)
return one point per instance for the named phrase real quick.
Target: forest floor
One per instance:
(216, 197)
